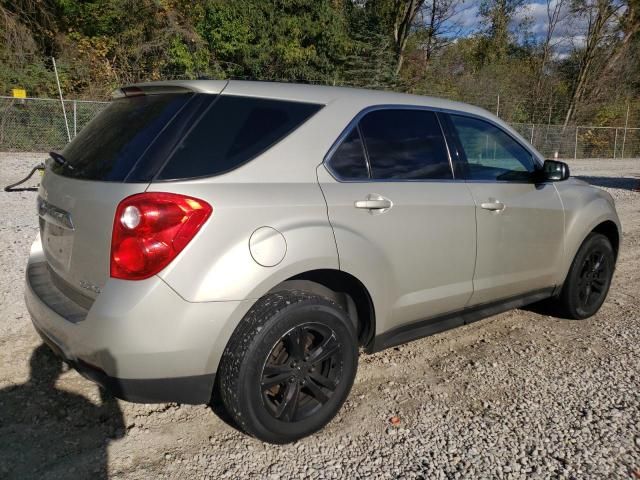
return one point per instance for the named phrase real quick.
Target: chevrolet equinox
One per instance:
(246, 239)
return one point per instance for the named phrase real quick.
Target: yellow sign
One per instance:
(19, 93)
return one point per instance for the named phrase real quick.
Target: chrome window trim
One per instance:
(355, 123)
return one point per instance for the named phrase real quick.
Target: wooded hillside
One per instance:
(581, 64)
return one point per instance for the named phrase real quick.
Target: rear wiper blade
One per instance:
(60, 160)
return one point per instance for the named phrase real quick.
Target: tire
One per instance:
(268, 386)
(587, 284)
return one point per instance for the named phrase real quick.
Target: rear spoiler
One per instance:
(134, 91)
(175, 87)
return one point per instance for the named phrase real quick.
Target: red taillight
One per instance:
(151, 229)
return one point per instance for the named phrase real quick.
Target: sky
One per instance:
(567, 33)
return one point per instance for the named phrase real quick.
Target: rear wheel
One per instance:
(589, 278)
(289, 366)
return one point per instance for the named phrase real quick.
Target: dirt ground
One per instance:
(518, 395)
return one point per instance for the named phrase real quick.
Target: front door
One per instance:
(520, 223)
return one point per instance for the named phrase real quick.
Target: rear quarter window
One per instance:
(233, 131)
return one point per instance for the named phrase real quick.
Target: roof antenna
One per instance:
(64, 112)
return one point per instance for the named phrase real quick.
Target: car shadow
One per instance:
(623, 183)
(548, 307)
(47, 432)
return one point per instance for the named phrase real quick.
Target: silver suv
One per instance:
(245, 239)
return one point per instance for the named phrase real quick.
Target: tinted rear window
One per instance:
(232, 132)
(109, 146)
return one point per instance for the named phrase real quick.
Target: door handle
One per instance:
(494, 206)
(374, 202)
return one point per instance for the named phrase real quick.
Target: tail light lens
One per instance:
(151, 229)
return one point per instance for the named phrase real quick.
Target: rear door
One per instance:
(403, 224)
(520, 223)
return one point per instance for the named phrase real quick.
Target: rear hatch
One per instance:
(148, 134)
(116, 155)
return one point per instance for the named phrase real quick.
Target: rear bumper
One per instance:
(140, 340)
(192, 390)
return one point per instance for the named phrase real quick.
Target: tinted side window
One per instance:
(232, 132)
(348, 161)
(491, 153)
(405, 145)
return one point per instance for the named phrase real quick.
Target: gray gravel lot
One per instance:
(518, 395)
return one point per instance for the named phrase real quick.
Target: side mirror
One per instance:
(555, 171)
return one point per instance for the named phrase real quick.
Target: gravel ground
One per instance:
(518, 395)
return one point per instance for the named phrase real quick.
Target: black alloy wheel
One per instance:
(302, 372)
(593, 280)
(289, 365)
(587, 284)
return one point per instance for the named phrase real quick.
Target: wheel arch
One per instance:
(344, 289)
(607, 226)
(610, 230)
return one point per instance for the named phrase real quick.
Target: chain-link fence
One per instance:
(582, 141)
(38, 125)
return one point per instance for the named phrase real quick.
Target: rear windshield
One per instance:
(110, 145)
(179, 136)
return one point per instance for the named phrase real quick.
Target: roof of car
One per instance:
(314, 93)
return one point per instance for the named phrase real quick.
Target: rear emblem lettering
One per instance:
(89, 286)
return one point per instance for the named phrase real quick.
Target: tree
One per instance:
(497, 15)
(371, 60)
(23, 29)
(404, 15)
(630, 30)
(396, 17)
(282, 39)
(555, 13)
(437, 25)
(600, 17)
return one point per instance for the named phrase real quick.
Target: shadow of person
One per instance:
(46, 432)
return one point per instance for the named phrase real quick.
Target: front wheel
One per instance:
(289, 366)
(589, 277)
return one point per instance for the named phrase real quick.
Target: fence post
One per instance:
(575, 147)
(533, 126)
(64, 111)
(615, 144)
(624, 135)
(75, 118)
(498, 107)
